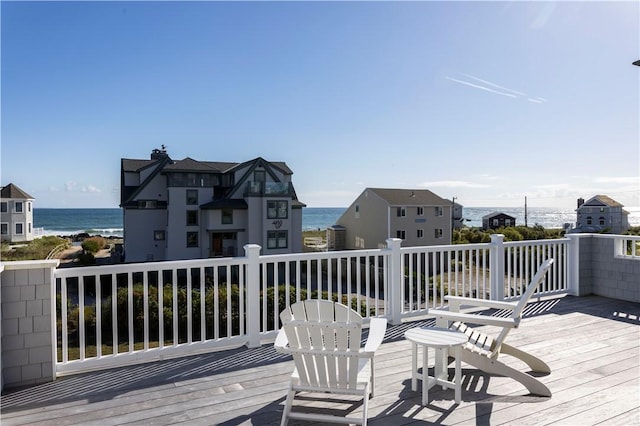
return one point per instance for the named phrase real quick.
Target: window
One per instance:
(29, 207)
(507, 222)
(420, 233)
(29, 228)
(496, 222)
(589, 220)
(192, 217)
(4, 228)
(277, 239)
(158, 235)
(438, 211)
(3, 207)
(227, 216)
(420, 211)
(601, 221)
(277, 209)
(357, 208)
(438, 232)
(18, 206)
(400, 234)
(147, 204)
(192, 179)
(192, 196)
(601, 209)
(19, 228)
(401, 211)
(192, 239)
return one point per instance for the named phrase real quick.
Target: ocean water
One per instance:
(108, 222)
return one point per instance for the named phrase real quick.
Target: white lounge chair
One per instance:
(482, 350)
(324, 339)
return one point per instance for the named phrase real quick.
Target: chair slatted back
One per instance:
(324, 340)
(538, 278)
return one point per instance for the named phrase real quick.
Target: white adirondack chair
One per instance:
(324, 339)
(482, 350)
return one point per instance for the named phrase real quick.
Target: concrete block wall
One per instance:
(26, 347)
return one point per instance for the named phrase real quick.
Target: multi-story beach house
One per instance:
(185, 209)
(417, 216)
(601, 214)
(16, 214)
(497, 220)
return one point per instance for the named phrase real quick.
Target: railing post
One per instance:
(252, 253)
(497, 266)
(396, 280)
(573, 266)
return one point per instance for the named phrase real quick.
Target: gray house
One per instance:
(16, 214)
(186, 209)
(417, 216)
(601, 214)
(497, 220)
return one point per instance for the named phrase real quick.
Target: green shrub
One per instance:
(93, 244)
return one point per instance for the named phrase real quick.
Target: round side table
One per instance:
(440, 339)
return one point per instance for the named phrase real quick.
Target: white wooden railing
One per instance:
(114, 314)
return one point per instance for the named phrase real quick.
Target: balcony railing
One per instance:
(106, 316)
(260, 189)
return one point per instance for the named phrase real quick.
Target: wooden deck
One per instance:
(591, 343)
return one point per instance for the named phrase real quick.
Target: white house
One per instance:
(601, 214)
(16, 214)
(417, 216)
(185, 209)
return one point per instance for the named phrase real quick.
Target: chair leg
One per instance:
(365, 405)
(535, 363)
(287, 407)
(496, 367)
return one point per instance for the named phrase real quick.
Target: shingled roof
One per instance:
(12, 191)
(408, 197)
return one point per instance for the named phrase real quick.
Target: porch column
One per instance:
(252, 252)
(395, 280)
(496, 271)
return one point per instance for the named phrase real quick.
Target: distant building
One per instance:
(601, 214)
(497, 220)
(456, 216)
(16, 214)
(417, 216)
(187, 209)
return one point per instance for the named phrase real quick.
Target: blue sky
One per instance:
(487, 102)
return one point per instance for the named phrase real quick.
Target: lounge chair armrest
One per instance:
(281, 341)
(472, 319)
(377, 329)
(456, 301)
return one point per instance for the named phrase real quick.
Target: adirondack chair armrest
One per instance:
(442, 316)
(281, 342)
(456, 301)
(377, 329)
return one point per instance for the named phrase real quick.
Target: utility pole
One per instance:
(453, 208)
(525, 211)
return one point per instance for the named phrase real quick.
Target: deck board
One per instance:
(592, 345)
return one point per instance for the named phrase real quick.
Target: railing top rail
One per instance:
(323, 255)
(555, 241)
(447, 247)
(149, 266)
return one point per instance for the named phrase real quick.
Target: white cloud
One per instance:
(70, 185)
(91, 188)
(453, 184)
(618, 179)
